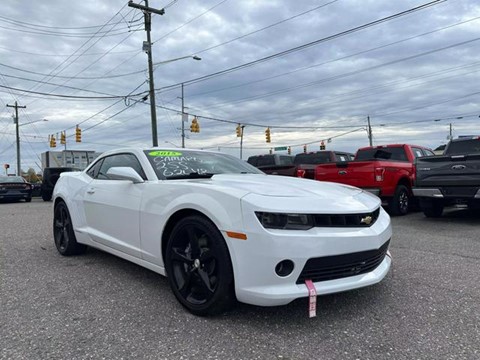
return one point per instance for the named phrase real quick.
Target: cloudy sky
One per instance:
(309, 70)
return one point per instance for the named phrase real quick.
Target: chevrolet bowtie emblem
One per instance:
(367, 220)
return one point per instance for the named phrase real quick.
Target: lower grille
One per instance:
(342, 266)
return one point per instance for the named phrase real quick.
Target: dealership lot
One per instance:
(99, 306)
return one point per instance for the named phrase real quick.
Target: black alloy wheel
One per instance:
(400, 201)
(198, 266)
(63, 233)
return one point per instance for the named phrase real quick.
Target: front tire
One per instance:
(199, 267)
(433, 208)
(400, 201)
(63, 233)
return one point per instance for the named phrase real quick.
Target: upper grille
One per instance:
(346, 220)
(342, 266)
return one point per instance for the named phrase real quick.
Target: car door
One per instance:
(112, 207)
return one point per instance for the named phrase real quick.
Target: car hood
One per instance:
(273, 192)
(281, 186)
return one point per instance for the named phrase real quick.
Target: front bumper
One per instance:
(284, 294)
(255, 259)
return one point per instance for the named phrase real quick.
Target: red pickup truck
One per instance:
(386, 171)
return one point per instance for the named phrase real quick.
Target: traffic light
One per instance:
(63, 138)
(195, 126)
(267, 135)
(78, 134)
(305, 149)
(239, 131)
(289, 150)
(322, 145)
(53, 142)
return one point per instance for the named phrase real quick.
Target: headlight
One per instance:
(285, 221)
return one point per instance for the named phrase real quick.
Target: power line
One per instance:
(266, 27)
(305, 46)
(74, 97)
(336, 59)
(340, 76)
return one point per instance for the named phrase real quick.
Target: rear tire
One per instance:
(433, 211)
(28, 199)
(400, 201)
(47, 197)
(199, 267)
(63, 233)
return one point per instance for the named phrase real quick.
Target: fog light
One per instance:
(284, 268)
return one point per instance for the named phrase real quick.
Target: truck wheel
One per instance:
(399, 203)
(433, 210)
(46, 197)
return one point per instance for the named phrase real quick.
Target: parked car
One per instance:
(50, 178)
(451, 178)
(220, 229)
(386, 171)
(15, 188)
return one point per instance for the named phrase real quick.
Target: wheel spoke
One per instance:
(193, 240)
(58, 224)
(206, 256)
(185, 289)
(177, 255)
(205, 280)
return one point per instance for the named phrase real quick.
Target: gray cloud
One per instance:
(403, 73)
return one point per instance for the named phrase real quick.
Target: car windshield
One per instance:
(11, 179)
(190, 164)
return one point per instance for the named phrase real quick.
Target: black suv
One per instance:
(50, 178)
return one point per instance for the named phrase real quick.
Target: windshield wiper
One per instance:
(192, 175)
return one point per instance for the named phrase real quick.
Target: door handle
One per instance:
(91, 191)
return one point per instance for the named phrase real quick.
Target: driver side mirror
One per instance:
(124, 173)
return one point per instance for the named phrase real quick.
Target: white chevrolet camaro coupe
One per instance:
(220, 229)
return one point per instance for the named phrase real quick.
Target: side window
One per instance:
(93, 171)
(342, 157)
(428, 152)
(417, 152)
(128, 160)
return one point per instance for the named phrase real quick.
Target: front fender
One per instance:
(222, 209)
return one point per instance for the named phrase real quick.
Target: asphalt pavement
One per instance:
(97, 306)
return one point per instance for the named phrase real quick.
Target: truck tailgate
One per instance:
(355, 173)
(448, 170)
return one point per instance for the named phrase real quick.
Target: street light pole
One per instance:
(16, 106)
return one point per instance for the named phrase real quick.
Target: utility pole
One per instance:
(369, 131)
(241, 141)
(147, 47)
(183, 119)
(16, 106)
(450, 136)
